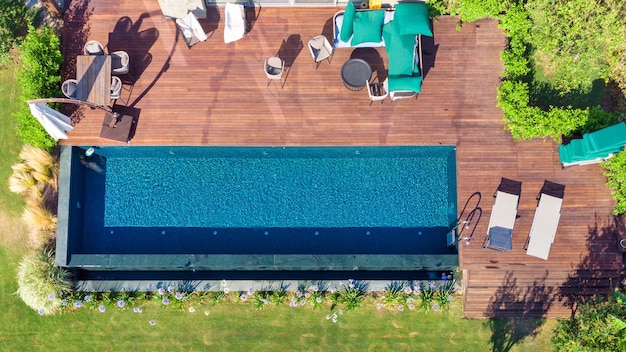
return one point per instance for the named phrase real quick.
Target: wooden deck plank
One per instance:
(217, 94)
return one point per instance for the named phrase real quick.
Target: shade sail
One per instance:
(54, 122)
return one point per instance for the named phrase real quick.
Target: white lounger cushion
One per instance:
(504, 210)
(235, 24)
(544, 226)
(191, 28)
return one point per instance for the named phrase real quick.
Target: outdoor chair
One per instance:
(93, 47)
(503, 215)
(235, 22)
(274, 68)
(191, 30)
(546, 220)
(120, 63)
(116, 88)
(320, 49)
(377, 91)
(69, 88)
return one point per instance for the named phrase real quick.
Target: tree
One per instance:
(577, 41)
(14, 20)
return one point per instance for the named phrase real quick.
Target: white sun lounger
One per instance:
(234, 23)
(544, 226)
(503, 215)
(502, 221)
(191, 30)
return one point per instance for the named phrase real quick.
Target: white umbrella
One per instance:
(55, 123)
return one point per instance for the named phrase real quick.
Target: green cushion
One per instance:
(410, 83)
(412, 18)
(368, 26)
(400, 49)
(346, 25)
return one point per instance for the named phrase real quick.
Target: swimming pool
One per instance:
(253, 208)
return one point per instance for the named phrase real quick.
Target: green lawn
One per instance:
(228, 326)
(9, 142)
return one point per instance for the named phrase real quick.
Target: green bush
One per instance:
(39, 77)
(615, 172)
(14, 19)
(472, 10)
(598, 326)
(516, 25)
(599, 119)
(41, 284)
(527, 122)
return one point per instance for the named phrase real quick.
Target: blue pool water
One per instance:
(269, 200)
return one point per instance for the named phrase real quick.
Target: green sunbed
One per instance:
(594, 147)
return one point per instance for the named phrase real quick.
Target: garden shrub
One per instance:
(599, 326)
(516, 25)
(615, 172)
(14, 19)
(39, 77)
(41, 284)
(36, 179)
(469, 10)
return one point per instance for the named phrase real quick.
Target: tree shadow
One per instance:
(514, 310)
(373, 58)
(128, 37)
(544, 95)
(212, 20)
(600, 270)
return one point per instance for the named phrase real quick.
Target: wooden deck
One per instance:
(216, 94)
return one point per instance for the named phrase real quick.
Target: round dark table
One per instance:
(355, 73)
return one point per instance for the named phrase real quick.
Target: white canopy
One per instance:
(55, 123)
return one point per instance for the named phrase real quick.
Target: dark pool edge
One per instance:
(63, 221)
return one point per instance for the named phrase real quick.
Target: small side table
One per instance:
(355, 73)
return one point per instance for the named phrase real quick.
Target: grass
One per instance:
(229, 326)
(9, 141)
(544, 95)
(240, 327)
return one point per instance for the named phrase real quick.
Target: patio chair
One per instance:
(116, 88)
(93, 47)
(235, 22)
(546, 220)
(120, 63)
(69, 88)
(191, 30)
(503, 215)
(274, 68)
(320, 49)
(377, 91)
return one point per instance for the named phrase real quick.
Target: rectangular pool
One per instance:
(257, 208)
